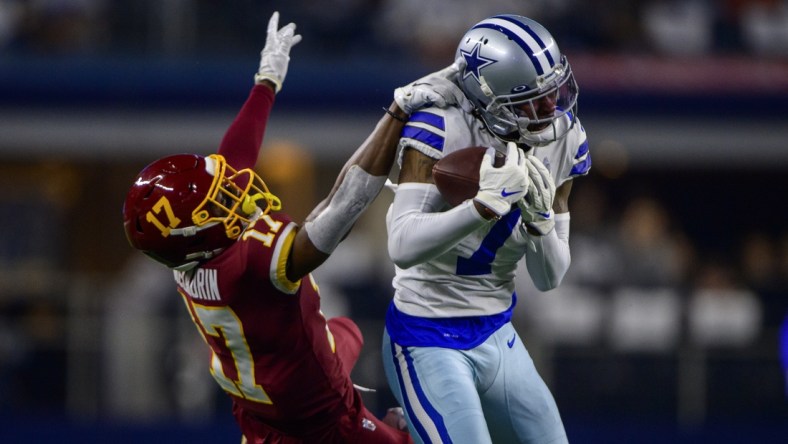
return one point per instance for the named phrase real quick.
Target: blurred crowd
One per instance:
(639, 281)
(646, 280)
(425, 29)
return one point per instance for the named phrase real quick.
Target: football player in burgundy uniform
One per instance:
(243, 268)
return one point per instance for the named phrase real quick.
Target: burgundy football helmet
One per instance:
(186, 208)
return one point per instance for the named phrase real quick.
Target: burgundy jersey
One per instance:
(272, 350)
(271, 347)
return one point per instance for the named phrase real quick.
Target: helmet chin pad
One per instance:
(505, 130)
(554, 131)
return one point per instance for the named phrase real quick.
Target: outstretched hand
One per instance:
(275, 56)
(434, 89)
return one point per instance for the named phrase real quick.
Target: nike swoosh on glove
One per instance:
(502, 187)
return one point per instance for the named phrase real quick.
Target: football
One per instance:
(457, 174)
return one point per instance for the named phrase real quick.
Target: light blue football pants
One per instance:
(489, 394)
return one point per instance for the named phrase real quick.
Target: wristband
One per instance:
(401, 119)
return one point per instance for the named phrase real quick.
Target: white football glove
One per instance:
(536, 207)
(275, 56)
(500, 188)
(434, 89)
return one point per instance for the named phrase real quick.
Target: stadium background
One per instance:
(666, 329)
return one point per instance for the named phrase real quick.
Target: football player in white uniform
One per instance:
(452, 357)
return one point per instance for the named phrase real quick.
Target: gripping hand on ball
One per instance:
(434, 89)
(500, 188)
(537, 206)
(275, 56)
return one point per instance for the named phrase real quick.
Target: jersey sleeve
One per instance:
(268, 244)
(241, 143)
(569, 157)
(436, 132)
(581, 159)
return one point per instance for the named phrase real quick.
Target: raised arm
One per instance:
(435, 89)
(357, 185)
(241, 143)
(365, 173)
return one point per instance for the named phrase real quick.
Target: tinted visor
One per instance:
(542, 107)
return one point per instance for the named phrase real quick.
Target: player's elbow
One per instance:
(402, 257)
(547, 283)
(400, 245)
(548, 277)
(404, 263)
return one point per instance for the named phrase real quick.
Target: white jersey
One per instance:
(476, 277)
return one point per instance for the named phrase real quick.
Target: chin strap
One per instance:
(187, 266)
(196, 257)
(191, 230)
(200, 256)
(248, 206)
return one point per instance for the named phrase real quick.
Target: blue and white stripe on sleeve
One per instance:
(581, 163)
(427, 128)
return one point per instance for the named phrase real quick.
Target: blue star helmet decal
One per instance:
(475, 62)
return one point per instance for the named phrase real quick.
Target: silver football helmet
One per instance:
(517, 79)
